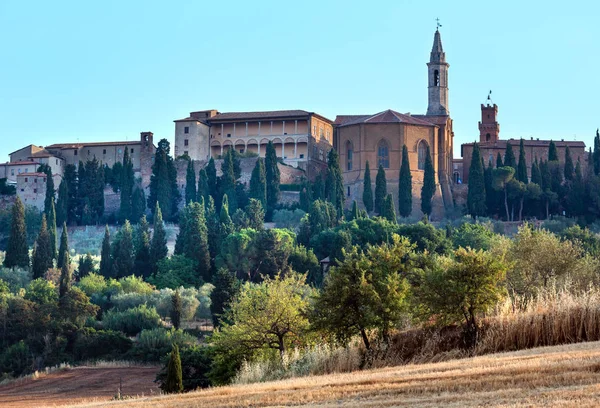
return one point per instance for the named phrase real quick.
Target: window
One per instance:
(75, 152)
(104, 151)
(35, 191)
(22, 190)
(131, 151)
(383, 155)
(186, 142)
(322, 133)
(422, 154)
(186, 130)
(348, 191)
(436, 78)
(120, 151)
(487, 137)
(25, 179)
(242, 151)
(228, 134)
(314, 130)
(302, 155)
(185, 153)
(34, 180)
(349, 153)
(57, 162)
(12, 172)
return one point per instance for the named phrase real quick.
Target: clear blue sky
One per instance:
(106, 70)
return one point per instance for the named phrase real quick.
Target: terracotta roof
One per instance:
(389, 116)
(23, 148)
(189, 119)
(259, 115)
(20, 163)
(80, 145)
(529, 142)
(435, 119)
(32, 174)
(42, 154)
(65, 146)
(343, 119)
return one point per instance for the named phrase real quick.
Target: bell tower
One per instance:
(489, 129)
(437, 68)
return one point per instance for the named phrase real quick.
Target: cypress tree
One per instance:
(306, 197)
(213, 229)
(596, 154)
(226, 287)
(42, 253)
(405, 186)
(552, 152)
(143, 264)
(123, 257)
(367, 189)
(158, 248)
(227, 180)
(203, 188)
(546, 176)
(163, 183)
(389, 212)
(335, 183)
(256, 214)
(509, 157)
(490, 194)
(86, 265)
(211, 178)
(522, 166)
(568, 165)
(355, 214)
(273, 179)
(62, 204)
(127, 181)
(258, 183)
(536, 176)
(138, 204)
(428, 189)
(174, 382)
(196, 240)
(176, 310)
(105, 256)
(318, 189)
(49, 200)
(499, 161)
(66, 275)
(64, 246)
(17, 251)
(190, 183)
(70, 178)
(380, 190)
(226, 225)
(52, 230)
(476, 194)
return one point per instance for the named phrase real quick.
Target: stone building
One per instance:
(301, 138)
(378, 138)
(31, 188)
(490, 145)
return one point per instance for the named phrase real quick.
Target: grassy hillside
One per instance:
(557, 376)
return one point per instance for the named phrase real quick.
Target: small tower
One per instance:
(437, 68)
(489, 129)
(147, 150)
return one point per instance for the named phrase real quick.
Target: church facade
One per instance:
(378, 138)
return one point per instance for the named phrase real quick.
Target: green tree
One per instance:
(211, 178)
(278, 323)
(64, 246)
(509, 157)
(502, 178)
(380, 190)
(258, 183)
(17, 251)
(226, 224)
(66, 275)
(52, 229)
(127, 184)
(143, 258)
(476, 197)
(463, 288)
(123, 256)
(491, 195)
(499, 160)
(226, 288)
(227, 181)
(596, 154)
(569, 169)
(389, 212)
(367, 189)
(42, 252)
(105, 256)
(138, 204)
(90, 191)
(367, 290)
(522, 166)
(428, 189)
(334, 185)
(203, 188)
(256, 214)
(552, 152)
(50, 191)
(158, 247)
(273, 179)
(176, 310)
(62, 204)
(86, 266)
(405, 186)
(536, 175)
(213, 229)
(190, 183)
(163, 182)
(354, 213)
(196, 241)
(71, 179)
(174, 381)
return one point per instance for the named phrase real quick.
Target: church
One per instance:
(378, 139)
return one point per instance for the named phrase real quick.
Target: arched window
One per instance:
(349, 154)
(456, 177)
(422, 154)
(487, 137)
(436, 78)
(383, 155)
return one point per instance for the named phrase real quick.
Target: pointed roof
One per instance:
(387, 116)
(437, 51)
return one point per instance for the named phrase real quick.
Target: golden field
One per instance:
(559, 376)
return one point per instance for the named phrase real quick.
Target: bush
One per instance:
(195, 366)
(16, 360)
(135, 284)
(174, 272)
(132, 321)
(188, 300)
(474, 236)
(41, 291)
(124, 301)
(290, 187)
(93, 344)
(92, 283)
(288, 218)
(153, 345)
(15, 278)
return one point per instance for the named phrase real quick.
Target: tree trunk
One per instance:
(547, 209)
(281, 347)
(506, 204)
(521, 211)
(365, 338)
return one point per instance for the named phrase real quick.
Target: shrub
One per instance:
(290, 187)
(174, 272)
(195, 366)
(15, 278)
(188, 299)
(135, 284)
(92, 283)
(132, 321)
(474, 236)
(41, 291)
(93, 344)
(288, 218)
(124, 301)
(16, 360)
(153, 345)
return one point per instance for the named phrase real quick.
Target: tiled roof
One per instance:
(65, 146)
(259, 115)
(80, 145)
(42, 154)
(188, 119)
(437, 120)
(32, 174)
(343, 119)
(20, 163)
(529, 142)
(23, 148)
(388, 116)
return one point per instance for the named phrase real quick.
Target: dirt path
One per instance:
(77, 385)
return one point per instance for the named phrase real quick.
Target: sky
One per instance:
(108, 70)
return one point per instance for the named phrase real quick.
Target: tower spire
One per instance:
(438, 77)
(437, 51)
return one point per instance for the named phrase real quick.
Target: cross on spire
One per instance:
(437, 22)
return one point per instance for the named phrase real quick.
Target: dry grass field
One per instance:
(560, 376)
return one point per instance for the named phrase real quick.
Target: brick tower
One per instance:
(489, 129)
(438, 79)
(146, 157)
